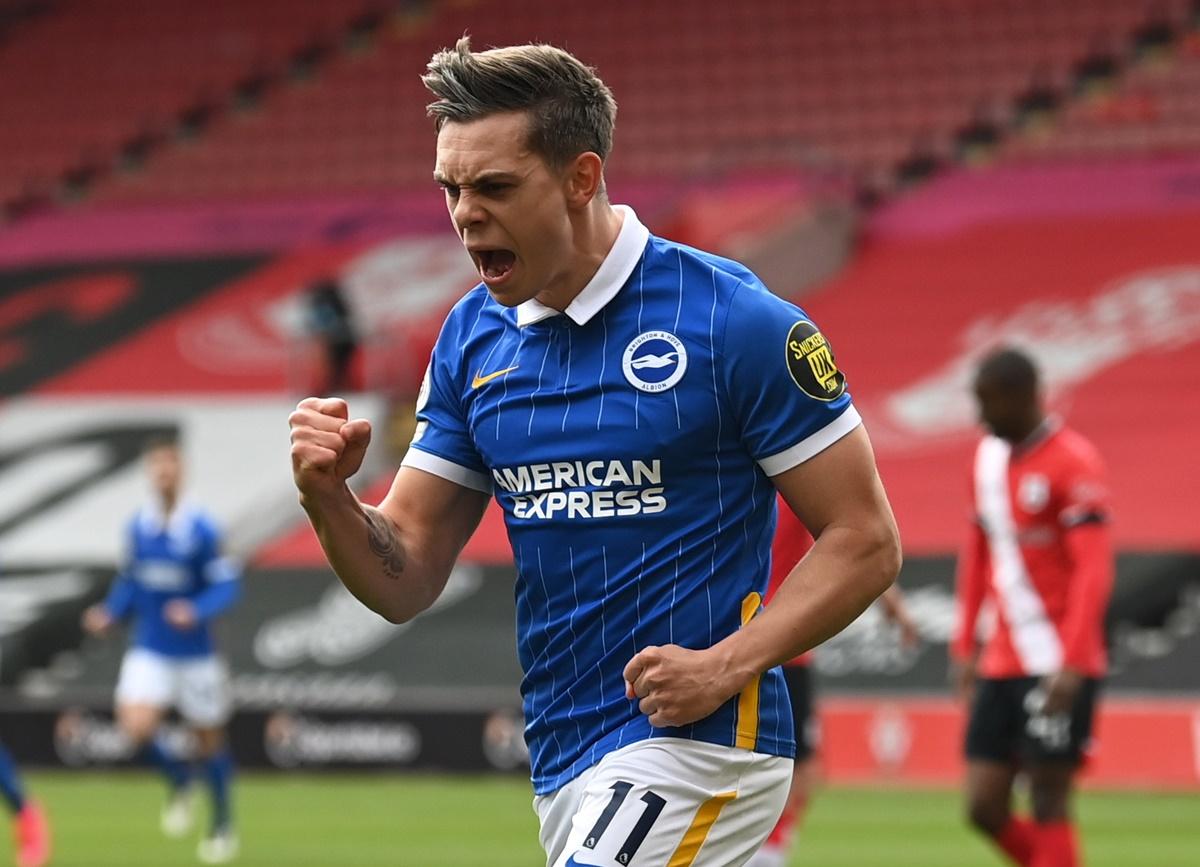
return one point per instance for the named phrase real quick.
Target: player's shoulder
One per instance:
(474, 302)
(1075, 452)
(138, 520)
(988, 450)
(987, 441)
(474, 321)
(200, 520)
(664, 256)
(664, 251)
(743, 300)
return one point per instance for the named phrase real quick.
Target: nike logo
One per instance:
(571, 862)
(484, 380)
(654, 361)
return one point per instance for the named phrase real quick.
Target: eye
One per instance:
(494, 188)
(452, 190)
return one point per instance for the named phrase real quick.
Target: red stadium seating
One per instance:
(1155, 110)
(88, 74)
(852, 82)
(855, 84)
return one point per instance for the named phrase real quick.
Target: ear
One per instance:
(582, 179)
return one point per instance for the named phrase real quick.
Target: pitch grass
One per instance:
(297, 820)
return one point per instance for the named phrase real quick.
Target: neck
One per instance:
(1031, 426)
(168, 501)
(594, 231)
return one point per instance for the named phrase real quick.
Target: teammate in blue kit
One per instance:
(633, 405)
(174, 583)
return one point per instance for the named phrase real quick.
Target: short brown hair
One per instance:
(162, 440)
(571, 110)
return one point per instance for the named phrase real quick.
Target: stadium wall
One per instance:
(1139, 744)
(321, 682)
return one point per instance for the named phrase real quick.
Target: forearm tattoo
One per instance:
(384, 543)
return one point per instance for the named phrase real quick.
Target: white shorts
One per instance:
(670, 802)
(198, 687)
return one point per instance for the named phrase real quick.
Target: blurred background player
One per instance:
(1040, 552)
(174, 583)
(30, 828)
(792, 541)
(331, 324)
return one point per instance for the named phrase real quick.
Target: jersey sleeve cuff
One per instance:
(1079, 517)
(813, 444)
(446, 469)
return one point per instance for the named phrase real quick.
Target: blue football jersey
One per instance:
(167, 559)
(630, 441)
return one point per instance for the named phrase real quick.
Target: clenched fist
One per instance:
(327, 447)
(677, 686)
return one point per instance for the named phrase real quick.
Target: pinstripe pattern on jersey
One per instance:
(644, 517)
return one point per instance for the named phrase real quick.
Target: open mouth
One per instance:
(496, 264)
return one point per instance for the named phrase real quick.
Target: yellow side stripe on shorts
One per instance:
(747, 718)
(689, 846)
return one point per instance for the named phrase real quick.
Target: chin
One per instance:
(505, 296)
(510, 293)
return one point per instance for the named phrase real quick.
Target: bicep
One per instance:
(434, 514)
(838, 486)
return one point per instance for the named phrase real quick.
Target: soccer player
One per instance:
(175, 582)
(633, 405)
(30, 828)
(1040, 553)
(791, 543)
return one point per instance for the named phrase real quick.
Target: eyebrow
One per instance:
(484, 177)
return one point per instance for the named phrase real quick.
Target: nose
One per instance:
(467, 211)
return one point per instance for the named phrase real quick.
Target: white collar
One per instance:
(605, 283)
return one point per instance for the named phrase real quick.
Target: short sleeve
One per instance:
(1084, 498)
(787, 392)
(442, 443)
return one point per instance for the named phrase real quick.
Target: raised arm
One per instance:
(395, 558)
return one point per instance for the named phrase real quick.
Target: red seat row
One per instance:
(856, 81)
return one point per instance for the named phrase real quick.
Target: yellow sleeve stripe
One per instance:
(706, 816)
(747, 718)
